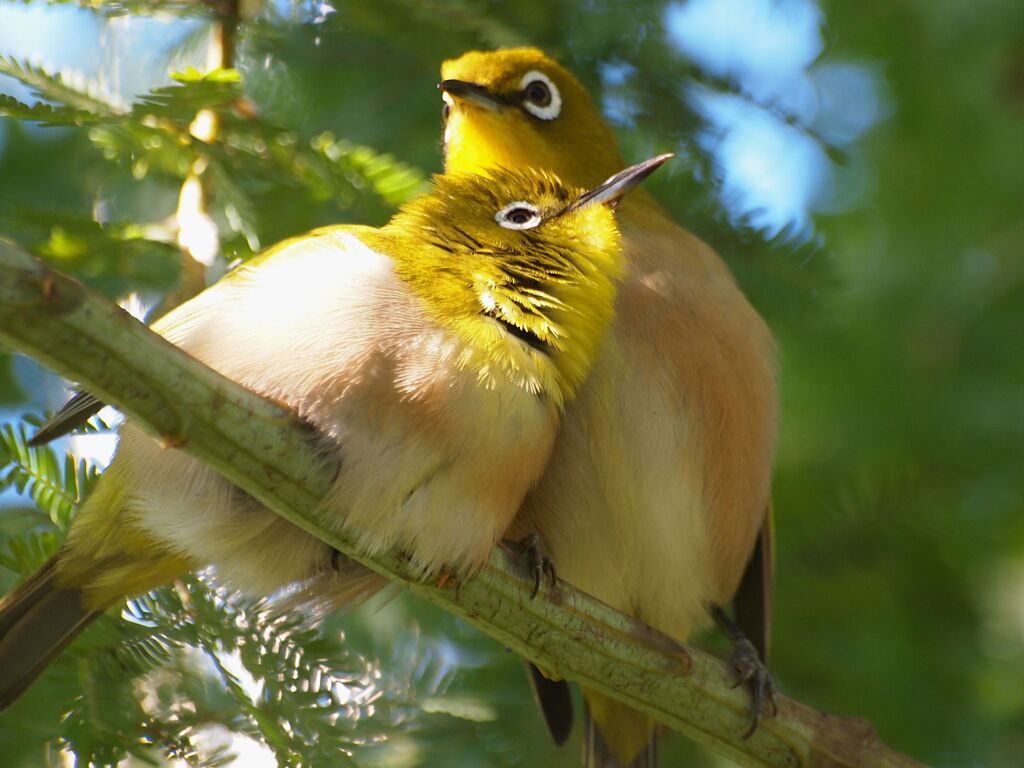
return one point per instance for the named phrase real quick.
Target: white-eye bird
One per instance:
(657, 493)
(434, 355)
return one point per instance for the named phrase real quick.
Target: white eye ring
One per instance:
(526, 215)
(553, 107)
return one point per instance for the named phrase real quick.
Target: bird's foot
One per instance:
(537, 562)
(446, 579)
(750, 670)
(753, 673)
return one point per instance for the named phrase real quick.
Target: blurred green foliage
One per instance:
(899, 311)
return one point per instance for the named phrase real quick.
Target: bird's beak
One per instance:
(614, 189)
(473, 93)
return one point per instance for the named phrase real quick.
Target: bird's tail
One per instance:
(615, 736)
(37, 620)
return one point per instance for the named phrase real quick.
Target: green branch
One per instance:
(260, 446)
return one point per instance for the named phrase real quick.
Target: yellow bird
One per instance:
(434, 355)
(658, 486)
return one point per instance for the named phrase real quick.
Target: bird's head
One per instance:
(521, 266)
(518, 108)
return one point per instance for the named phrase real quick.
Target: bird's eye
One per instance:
(540, 96)
(446, 110)
(537, 93)
(518, 215)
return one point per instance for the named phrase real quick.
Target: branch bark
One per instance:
(262, 448)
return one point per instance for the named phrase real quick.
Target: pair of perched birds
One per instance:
(497, 361)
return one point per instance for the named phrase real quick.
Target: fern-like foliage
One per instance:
(193, 91)
(394, 181)
(55, 485)
(71, 90)
(252, 168)
(188, 668)
(45, 114)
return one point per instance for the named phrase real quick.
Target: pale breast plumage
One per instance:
(432, 460)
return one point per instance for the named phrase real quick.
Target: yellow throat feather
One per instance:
(551, 286)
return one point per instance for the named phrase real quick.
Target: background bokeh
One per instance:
(859, 165)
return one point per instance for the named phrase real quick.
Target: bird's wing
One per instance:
(83, 406)
(753, 601)
(73, 414)
(554, 702)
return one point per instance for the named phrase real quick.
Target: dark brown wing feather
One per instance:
(554, 701)
(37, 620)
(79, 409)
(753, 601)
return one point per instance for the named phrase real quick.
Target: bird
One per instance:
(656, 498)
(432, 357)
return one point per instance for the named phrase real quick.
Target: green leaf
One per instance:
(47, 114)
(79, 95)
(55, 487)
(193, 75)
(193, 92)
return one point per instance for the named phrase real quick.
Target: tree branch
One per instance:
(262, 448)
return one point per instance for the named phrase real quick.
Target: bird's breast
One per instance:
(659, 478)
(435, 453)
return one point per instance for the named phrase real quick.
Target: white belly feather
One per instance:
(432, 461)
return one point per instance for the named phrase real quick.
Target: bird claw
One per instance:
(446, 579)
(750, 671)
(539, 564)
